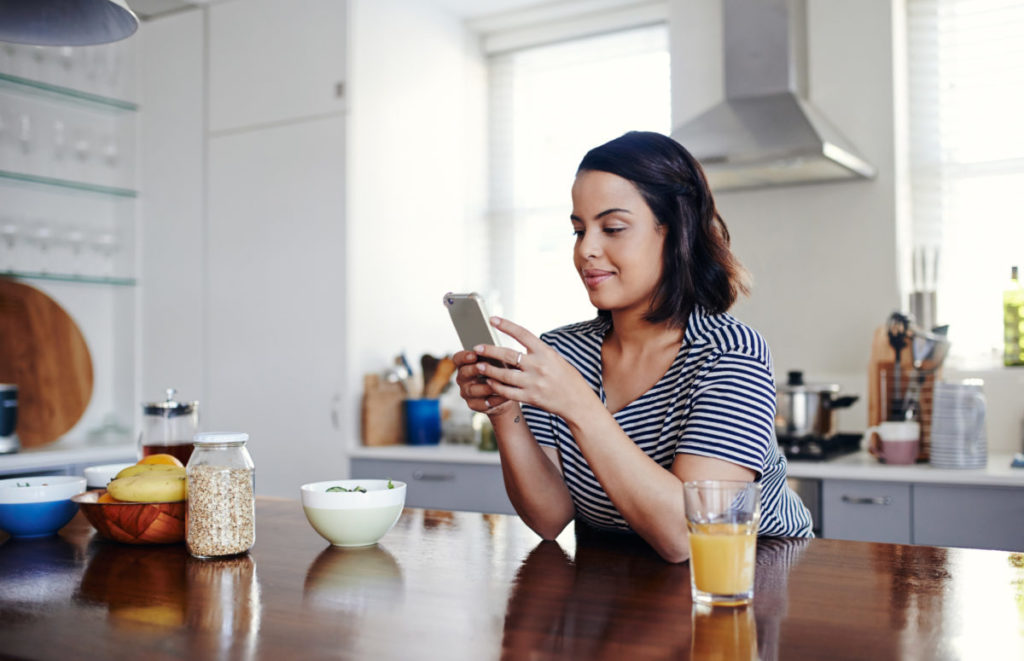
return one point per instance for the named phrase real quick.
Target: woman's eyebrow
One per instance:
(601, 215)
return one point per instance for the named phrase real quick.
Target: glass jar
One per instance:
(221, 517)
(168, 427)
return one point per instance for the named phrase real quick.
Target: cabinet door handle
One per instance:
(432, 477)
(867, 500)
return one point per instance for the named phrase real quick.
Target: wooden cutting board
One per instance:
(43, 352)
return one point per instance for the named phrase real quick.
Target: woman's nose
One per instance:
(589, 245)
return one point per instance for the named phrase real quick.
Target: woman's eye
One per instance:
(613, 230)
(577, 233)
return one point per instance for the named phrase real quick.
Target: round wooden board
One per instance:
(43, 352)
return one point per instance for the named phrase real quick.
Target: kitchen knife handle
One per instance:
(867, 500)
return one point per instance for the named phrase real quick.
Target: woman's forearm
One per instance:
(647, 496)
(532, 480)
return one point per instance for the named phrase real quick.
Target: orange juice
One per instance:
(722, 557)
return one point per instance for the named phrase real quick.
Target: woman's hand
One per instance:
(540, 376)
(473, 388)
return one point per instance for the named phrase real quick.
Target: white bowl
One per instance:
(353, 518)
(38, 506)
(97, 477)
(40, 489)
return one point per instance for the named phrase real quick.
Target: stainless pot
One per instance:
(807, 409)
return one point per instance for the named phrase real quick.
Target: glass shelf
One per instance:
(67, 183)
(68, 277)
(66, 93)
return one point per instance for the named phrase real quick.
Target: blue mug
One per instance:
(422, 421)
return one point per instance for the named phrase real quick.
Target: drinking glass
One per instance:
(722, 518)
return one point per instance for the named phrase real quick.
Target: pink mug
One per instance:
(900, 441)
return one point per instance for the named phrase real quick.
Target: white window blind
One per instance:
(966, 110)
(548, 106)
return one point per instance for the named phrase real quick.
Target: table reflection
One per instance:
(140, 587)
(353, 580)
(153, 589)
(35, 573)
(557, 605)
(723, 633)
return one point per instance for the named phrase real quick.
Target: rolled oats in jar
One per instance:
(221, 517)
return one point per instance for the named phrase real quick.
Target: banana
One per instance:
(156, 487)
(146, 469)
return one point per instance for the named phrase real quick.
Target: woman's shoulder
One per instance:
(727, 334)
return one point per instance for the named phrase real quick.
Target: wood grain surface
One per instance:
(43, 352)
(459, 585)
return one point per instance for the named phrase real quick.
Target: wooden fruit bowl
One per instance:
(134, 523)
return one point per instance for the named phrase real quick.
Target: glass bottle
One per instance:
(221, 517)
(1013, 321)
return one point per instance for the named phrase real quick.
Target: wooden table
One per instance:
(457, 585)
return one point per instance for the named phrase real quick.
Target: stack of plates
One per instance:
(957, 436)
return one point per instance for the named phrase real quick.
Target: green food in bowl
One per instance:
(353, 512)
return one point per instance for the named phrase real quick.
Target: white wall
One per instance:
(416, 183)
(172, 221)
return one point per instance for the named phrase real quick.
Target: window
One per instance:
(966, 92)
(548, 105)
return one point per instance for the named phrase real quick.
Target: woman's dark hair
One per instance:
(698, 266)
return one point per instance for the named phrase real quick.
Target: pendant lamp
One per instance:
(66, 22)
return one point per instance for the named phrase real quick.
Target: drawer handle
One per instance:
(432, 477)
(875, 500)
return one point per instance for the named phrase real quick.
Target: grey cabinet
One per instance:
(969, 516)
(866, 511)
(442, 485)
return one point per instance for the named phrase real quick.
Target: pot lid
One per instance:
(169, 408)
(795, 383)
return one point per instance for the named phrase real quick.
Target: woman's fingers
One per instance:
(518, 333)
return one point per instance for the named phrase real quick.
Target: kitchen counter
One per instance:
(65, 459)
(460, 585)
(863, 466)
(857, 466)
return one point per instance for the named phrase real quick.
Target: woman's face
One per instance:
(619, 243)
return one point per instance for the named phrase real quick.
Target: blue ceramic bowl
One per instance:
(38, 506)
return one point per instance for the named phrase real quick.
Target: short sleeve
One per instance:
(541, 424)
(732, 411)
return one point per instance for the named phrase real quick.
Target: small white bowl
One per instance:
(353, 518)
(97, 477)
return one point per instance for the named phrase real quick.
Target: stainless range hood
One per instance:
(766, 133)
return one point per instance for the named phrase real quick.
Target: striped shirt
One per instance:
(716, 400)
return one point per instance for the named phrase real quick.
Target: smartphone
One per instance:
(471, 321)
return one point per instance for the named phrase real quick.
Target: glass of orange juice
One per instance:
(722, 518)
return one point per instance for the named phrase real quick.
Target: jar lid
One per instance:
(219, 437)
(169, 408)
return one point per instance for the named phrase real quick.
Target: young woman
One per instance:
(603, 420)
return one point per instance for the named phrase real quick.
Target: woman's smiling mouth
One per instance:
(594, 277)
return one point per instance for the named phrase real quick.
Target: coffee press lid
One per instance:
(170, 408)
